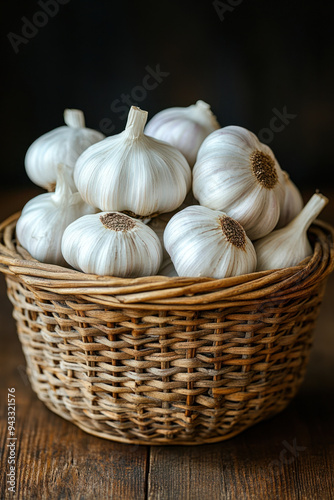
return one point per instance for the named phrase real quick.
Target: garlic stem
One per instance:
(63, 191)
(201, 111)
(74, 118)
(289, 245)
(309, 213)
(202, 105)
(136, 122)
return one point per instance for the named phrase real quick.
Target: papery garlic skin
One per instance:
(291, 204)
(289, 245)
(184, 128)
(205, 242)
(239, 175)
(132, 172)
(113, 244)
(44, 219)
(61, 145)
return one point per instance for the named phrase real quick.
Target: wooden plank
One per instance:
(249, 466)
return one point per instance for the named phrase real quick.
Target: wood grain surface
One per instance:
(290, 456)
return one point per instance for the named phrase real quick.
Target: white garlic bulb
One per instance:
(167, 269)
(288, 246)
(62, 145)
(44, 219)
(132, 172)
(291, 204)
(112, 243)
(184, 128)
(239, 175)
(205, 242)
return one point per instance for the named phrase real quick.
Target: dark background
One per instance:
(246, 60)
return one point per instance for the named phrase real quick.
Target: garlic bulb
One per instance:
(184, 128)
(239, 175)
(205, 242)
(167, 269)
(112, 243)
(291, 204)
(132, 172)
(62, 145)
(44, 219)
(288, 246)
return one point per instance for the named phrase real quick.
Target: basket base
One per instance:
(162, 441)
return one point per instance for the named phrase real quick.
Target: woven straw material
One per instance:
(162, 360)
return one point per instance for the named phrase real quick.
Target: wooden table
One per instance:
(288, 457)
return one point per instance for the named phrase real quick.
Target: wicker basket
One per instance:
(165, 360)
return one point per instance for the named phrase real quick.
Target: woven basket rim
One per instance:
(168, 292)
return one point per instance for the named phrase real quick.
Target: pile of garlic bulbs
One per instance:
(181, 197)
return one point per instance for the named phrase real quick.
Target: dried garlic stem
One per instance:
(310, 212)
(136, 122)
(63, 191)
(74, 118)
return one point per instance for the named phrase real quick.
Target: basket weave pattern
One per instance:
(165, 360)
